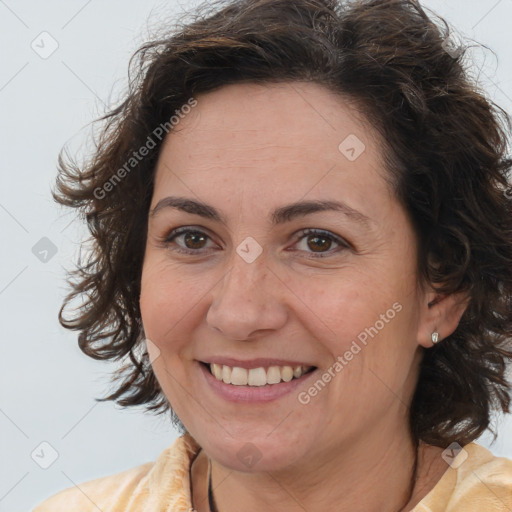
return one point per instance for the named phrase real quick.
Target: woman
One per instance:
(303, 249)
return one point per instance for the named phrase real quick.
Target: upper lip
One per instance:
(254, 363)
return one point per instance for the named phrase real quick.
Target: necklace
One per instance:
(213, 507)
(211, 501)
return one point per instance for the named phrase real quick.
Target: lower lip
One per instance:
(252, 394)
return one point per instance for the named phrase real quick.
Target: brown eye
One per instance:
(194, 240)
(187, 240)
(318, 243)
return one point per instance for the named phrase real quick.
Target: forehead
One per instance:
(260, 117)
(286, 139)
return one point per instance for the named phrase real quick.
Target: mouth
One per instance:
(256, 377)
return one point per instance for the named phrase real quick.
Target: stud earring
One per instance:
(435, 337)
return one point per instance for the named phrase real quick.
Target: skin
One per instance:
(247, 149)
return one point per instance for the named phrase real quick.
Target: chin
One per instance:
(255, 453)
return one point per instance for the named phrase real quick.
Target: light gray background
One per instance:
(47, 385)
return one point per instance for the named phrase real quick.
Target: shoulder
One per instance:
(476, 480)
(135, 489)
(102, 493)
(483, 479)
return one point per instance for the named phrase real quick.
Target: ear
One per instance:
(441, 314)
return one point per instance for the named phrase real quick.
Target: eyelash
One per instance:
(343, 244)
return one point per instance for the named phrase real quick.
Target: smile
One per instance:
(257, 376)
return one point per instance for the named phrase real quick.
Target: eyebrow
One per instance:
(279, 216)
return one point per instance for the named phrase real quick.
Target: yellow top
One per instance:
(482, 483)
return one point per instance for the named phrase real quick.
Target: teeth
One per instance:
(287, 373)
(273, 375)
(257, 376)
(216, 370)
(226, 374)
(239, 376)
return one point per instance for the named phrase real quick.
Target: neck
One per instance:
(369, 476)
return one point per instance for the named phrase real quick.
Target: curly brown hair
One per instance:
(445, 148)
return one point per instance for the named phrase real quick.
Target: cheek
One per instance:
(340, 307)
(163, 301)
(366, 319)
(171, 303)
(164, 305)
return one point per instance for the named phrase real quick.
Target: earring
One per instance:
(435, 337)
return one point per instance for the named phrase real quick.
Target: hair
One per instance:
(445, 148)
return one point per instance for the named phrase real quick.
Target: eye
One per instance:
(319, 242)
(188, 240)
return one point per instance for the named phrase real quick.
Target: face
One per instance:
(252, 282)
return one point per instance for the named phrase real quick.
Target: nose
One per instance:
(247, 301)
